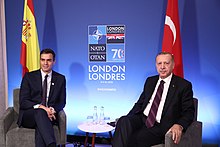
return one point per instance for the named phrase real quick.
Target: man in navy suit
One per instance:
(175, 112)
(32, 113)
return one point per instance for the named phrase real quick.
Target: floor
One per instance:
(97, 145)
(105, 145)
(75, 141)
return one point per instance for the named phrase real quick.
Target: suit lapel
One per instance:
(152, 86)
(171, 91)
(52, 85)
(38, 80)
(150, 89)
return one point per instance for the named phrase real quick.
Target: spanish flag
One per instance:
(171, 37)
(30, 51)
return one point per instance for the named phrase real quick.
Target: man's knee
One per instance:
(122, 120)
(40, 113)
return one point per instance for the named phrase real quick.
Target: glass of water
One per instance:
(89, 120)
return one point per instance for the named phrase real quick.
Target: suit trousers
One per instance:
(38, 119)
(131, 131)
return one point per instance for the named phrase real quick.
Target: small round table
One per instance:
(95, 128)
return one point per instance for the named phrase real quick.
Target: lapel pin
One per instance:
(173, 86)
(52, 83)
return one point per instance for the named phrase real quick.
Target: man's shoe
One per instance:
(52, 145)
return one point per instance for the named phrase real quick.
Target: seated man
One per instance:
(165, 105)
(42, 96)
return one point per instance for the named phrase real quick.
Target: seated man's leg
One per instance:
(146, 137)
(124, 129)
(44, 127)
(28, 120)
(37, 119)
(39, 141)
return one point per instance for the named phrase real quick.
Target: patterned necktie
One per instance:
(44, 93)
(154, 107)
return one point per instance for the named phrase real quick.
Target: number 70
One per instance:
(118, 53)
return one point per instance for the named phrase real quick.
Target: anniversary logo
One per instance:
(106, 52)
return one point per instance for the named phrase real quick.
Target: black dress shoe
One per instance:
(52, 145)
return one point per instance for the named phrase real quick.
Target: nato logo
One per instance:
(97, 34)
(106, 43)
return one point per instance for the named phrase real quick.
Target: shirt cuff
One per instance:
(36, 106)
(181, 127)
(53, 109)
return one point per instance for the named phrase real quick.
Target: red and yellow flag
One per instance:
(30, 51)
(171, 37)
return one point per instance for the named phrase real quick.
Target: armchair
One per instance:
(191, 138)
(13, 136)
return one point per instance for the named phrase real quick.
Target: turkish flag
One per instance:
(171, 37)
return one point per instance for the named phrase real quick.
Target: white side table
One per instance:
(94, 128)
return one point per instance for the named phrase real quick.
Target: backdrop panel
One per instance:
(65, 26)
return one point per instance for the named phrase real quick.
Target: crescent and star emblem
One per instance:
(169, 22)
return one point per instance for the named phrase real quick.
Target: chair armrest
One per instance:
(168, 140)
(192, 137)
(5, 123)
(62, 126)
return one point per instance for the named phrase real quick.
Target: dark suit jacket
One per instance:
(31, 91)
(178, 107)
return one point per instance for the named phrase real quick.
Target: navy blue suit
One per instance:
(30, 95)
(178, 109)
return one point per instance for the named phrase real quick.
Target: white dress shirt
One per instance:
(163, 98)
(48, 85)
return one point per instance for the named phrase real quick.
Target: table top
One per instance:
(95, 128)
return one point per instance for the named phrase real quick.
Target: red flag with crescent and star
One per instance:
(172, 38)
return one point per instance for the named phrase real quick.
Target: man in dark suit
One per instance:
(34, 113)
(175, 112)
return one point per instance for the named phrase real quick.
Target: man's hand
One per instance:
(176, 131)
(53, 113)
(50, 112)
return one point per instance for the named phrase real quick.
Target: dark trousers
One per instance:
(131, 131)
(38, 120)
